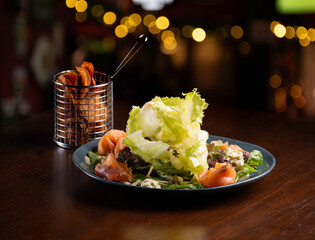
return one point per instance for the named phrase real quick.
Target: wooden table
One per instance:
(44, 196)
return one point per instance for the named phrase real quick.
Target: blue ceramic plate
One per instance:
(262, 170)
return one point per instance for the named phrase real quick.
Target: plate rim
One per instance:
(244, 182)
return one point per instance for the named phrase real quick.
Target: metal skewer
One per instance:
(141, 40)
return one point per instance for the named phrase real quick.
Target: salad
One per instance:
(164, 147)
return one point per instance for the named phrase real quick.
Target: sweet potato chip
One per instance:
(90, 68)
(81, 111)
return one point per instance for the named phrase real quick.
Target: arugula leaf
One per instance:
(183, 186)
(246, 169)
(94, 159)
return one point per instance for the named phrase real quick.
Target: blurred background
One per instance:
(249, 54)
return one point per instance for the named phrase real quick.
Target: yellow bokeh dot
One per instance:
(167, 34)
(153, 28)
(148, 19)
(81, 5)
(162, 22)
(199, 34)
(109, 18)
(305, 41)
(301, 32)
(170, 43)
(236, 32)
(280, 100)
(311, 34)
(121, 31)
(279, 30)
(296, 91)
(300, 102)
(275, 81)
(97, 10)
(290, 32)
(71, 3)
(135, 19)
(187, 31)
(244, 47)
(80, 16)
(272, 25)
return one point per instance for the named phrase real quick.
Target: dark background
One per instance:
(39, 38)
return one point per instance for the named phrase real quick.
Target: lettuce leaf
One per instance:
(246, 169)
(256, 158)
(167, 131)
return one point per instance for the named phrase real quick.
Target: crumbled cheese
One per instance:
(87, 160)
(150, 183)
(235, 158)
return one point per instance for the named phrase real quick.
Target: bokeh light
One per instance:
(109, 18)
(296, 91)
(97, 10)
(162, 22)
(304, 41)
(244, 47)
(167, 34)
(280, 100)
(80, 16)
(311, 34)
(221, 33)
(81, 5)
(170, 43)
(272, 25)
(290, 32)
(135, 19)
(187, 31)
(108, 43)
(153, 28)
(236, 32)
(300, 102)
(275, 81)
(71, 3)
(301, 32)
(121, 31)
(279, 30)
(199, 34)
(148, 19)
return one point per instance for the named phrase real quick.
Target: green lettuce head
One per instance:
(166, 133)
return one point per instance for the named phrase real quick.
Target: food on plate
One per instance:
(219, 175)
(80, 106)
(111, 142)
(165, 147)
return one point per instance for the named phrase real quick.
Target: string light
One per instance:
(279, 30)
(81, 5)
(305, 36)
(109, 18)
(244, 47)
(135, 19)
(97, 10)
(80, 16)
(121, 31)
(275, 81)
(148, 19)
(162, 22)
(187, 31)
(169, 40)
(71, 3)
(199, 34)
(311, 34)
(296, 91)
(290, 32)
(236, 32)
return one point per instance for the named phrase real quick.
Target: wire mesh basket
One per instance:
(82, 113)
